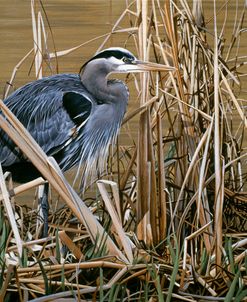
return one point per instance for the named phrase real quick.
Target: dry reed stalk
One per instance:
(84, 265)
(70, 244)
(25, 187)
(6, 282)
(191, 236)
(13, 75)
(187, 123)
(32, 243)
(217, 152)
(37, 41)
(71, 50)
(124, 13)
(139, 110)
(126, 175)
(143, 168)
(10, 213)
(116, 217)
(162, 211)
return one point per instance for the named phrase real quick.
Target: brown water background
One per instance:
(74, 22)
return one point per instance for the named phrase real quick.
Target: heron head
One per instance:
(120, 60)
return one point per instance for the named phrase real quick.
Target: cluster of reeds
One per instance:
(168, 220)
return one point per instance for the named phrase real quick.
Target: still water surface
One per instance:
(73, 22)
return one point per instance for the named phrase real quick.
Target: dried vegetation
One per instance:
(168, 222)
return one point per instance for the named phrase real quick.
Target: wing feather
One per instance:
(51, 109)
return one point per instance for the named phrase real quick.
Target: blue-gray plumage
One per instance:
(72, 117)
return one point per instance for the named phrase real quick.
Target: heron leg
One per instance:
(44, 204)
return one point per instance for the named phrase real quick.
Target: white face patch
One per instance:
(128, 68)
(120, 66)
(115, 61)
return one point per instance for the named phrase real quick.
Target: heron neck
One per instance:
(94, 78)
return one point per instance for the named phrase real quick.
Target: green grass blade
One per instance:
(232, 288)
(3, 239)
(47, 291)
(159, 289)
(241, 296)
(245, 263)
(58, 254)
(101, 284)
(230, 255)
(146, 291)
(113, 293)
(24, 258)
(63, 279)
(204, 261)
(174, 271)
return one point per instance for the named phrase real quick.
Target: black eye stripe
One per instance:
(108, 53)
(113, 53)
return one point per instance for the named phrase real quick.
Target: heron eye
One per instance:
(126, 60)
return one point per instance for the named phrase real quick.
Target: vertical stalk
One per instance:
(37, 40)
(217, 151)
(143, 170)
(161, 215)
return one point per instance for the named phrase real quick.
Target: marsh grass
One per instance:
(168, 219)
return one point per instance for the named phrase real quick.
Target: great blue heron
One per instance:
(73, 117)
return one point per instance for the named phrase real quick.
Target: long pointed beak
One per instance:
(150, 66)
(141, 66)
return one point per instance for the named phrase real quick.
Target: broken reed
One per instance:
(187, 166)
